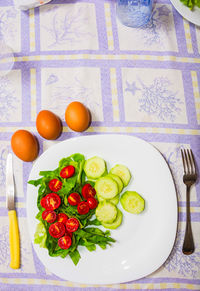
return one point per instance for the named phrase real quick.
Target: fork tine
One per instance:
(190, 161)
(193, 162)
(183, 160)
(187, 162)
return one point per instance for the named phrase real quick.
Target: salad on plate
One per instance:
(78, 197)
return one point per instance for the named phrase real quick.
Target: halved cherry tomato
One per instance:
(65, 242)
(67, 172)
(62, 217)
(88, 191)
(57, 229)
(49, 216)
(55, 185)
(43, 202)
(92, 202)
(51, 201)
(68, 233)
(83, 208)
(74, 199)
(72, 224)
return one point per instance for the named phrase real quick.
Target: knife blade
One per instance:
(13, 223)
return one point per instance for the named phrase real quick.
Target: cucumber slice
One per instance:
(114, 200)
(106, 187)
(116, 223)
(123, 172)
(118, 180)
(106, 212)
(94, 167)
(132, 202)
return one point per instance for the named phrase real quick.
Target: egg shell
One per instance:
(24, 145)
(77, 116)
(48, 125)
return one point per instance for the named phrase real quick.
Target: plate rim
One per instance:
(35, 247)
(181, 9)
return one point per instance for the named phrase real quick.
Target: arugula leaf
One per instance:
(75, 256)
(35, 182)
(94, 222)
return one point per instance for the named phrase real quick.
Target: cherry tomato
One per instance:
(83, 208)
(88, 191)
(65, 242)
(49, 216)
(92, 202)
(57, 229)
(62, 217)
(55, 185)
(43, 202)
(74, 198)
(67, 172)
(68, 233)
(72, 224)
(51, 201)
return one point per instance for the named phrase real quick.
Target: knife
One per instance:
(13, 223)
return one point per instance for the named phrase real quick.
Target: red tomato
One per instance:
(67, 172)
(88, 191)
(62, 217)
(68, 233)
(65, 242)
(51, 201)
(74, 199)
(92, 202)
(55, 185)
(72, 224)
(43, 202)
(49, 216)
(83, 208)
(57, 229)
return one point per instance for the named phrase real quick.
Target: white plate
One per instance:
(144, 241)
(191, 15)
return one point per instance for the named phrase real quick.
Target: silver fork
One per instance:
(189, 178)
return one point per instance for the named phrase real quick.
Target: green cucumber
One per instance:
(114, 200)
(116, 223)
(94, 167)
(106, 212)
(132, 202)
(118, 180)
(106, 187)
(123, 172)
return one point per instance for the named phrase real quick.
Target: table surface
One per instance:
(141, 82)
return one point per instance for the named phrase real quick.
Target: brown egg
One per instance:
(77, 116)
(48, 124)
(24, 145)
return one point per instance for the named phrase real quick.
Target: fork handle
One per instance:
(188, 245)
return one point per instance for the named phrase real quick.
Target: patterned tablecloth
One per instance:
(142, 82)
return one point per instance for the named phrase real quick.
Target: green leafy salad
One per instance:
(191, 3)
(76, 198)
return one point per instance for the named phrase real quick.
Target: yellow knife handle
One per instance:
(14, 240)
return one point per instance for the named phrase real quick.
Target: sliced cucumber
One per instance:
(116, 223)
(106, 212)
(114, 200)
(100, 199)
(118, 180)
(106, 187)
(132, 202)
(94, 167)
(123, 172)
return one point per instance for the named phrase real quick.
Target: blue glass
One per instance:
(134, 13)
